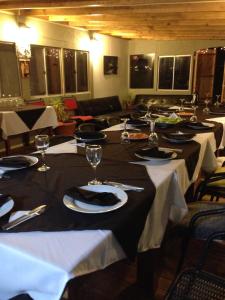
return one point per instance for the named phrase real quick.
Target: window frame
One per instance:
(174, 61)
(62, 74)
(13, 44)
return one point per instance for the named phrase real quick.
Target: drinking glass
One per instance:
(153, 139)
(194, 118)
(94, 155)
(181, 104)
(42, 143)
(125, 134)
(206, 109)
(217, 103)
(148, 112)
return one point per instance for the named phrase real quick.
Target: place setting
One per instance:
(16, 162)
(97, 196)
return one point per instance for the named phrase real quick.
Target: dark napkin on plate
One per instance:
(90, 197)
(197, 124)
(90, 135)
(179, 136)
(15, 162)
(154, 152)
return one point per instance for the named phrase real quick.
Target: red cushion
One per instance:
(39, 103)
(70, 103)
(83, 118)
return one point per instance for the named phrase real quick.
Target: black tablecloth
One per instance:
(30, 188)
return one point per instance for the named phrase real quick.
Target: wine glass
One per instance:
(194, 118)
(153, 139)
(181, 104)
(94, 155)
(42, 143)
(206, 109)
(125, 134)
(217, 103)
(148, 112)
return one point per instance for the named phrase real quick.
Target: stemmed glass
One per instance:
(148, 112)
(194, 118)
(42, 144)
(206, 109)
(153, 139)
(217, 103)
(94, 155)
(181, 104)
(125, 134)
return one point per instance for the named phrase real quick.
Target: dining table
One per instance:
(42, 255)
(24, 119)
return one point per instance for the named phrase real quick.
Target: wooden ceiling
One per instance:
(131, 19)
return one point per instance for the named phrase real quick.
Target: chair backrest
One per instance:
(197, 284)
(70, 103)
(113, 121)
(87, 127)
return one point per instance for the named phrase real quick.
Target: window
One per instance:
(52, 57)
(45, 78)
(45, 71)
(9, 77)
(75, 70)
(174, 72)
(141, 71)
(37, 71)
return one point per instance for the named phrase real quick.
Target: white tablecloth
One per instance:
(12, 124)
(41, 263)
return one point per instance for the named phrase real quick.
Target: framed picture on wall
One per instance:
(110, 65)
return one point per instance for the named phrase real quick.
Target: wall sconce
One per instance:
(23, 42)
(23, 49)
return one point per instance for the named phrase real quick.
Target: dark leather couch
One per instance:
(100, 106)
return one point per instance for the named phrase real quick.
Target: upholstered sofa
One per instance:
(102, 107)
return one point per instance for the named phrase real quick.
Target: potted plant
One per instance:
(65, 125)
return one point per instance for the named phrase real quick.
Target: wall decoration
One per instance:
(110, 65)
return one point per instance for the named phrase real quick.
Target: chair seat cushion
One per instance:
(205, 225)
(83, 118)
(219, 183)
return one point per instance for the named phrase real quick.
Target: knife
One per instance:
(29, 215)
(124, 186)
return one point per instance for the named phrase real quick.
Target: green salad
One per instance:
(168, 120)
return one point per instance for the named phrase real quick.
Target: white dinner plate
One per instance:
(96, 209)
(6, 207)
(173, 155)
(205, 125)
(32, 159)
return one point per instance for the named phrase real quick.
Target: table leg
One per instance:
(26, 138)
(147, 266)
(7, 146)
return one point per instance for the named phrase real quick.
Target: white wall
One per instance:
(49, 34)
(108, 85)
(161, 48)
